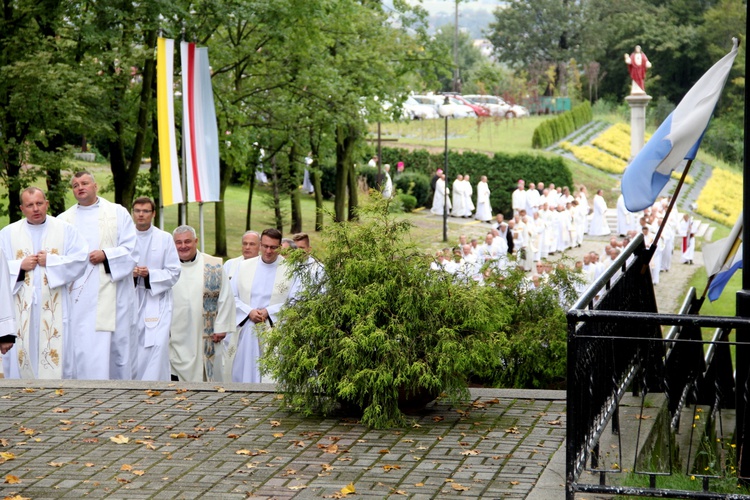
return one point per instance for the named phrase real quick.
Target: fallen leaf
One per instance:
(180, 435)
(66, 422)
(418, 485)
(326, 467)
(438, 418)
(512, 430)
(59, 392)
(555, 422)
(348, 489)
(493, 401)
(56, 464)
(333, 449)
(459, 487)
(233, 436)
(151, 393)
(11, 479)
(400, 492)
(514, 483)
(470, 452)
(278, 434)
(7, 455)
(416, 426)
(643, 417)
(61, 410)
(89, 464)
(4, 442)
(301, 444)
(388, 468)
(119, 439)
(219, 389)
(275, 423)
(139, 472)
(126, 467)
(384, 451)
(297, 488)
(29, 390)
(289, 472)
(16, 497)
(90, 440)
(123, 480)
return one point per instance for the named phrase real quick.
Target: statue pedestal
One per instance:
(638, 103)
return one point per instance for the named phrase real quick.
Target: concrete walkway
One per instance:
(131, 440)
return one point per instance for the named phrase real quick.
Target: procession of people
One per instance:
(98, 294)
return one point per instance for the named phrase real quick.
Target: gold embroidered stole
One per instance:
(50, 307)
(212, 277)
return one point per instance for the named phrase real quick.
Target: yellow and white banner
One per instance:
(169, 168)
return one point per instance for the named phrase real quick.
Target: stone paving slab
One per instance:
(66, 439)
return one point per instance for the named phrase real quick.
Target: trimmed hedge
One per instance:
(552, 130)
(416, 184)
(502, 170)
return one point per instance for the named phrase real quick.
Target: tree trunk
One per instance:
(276, 195)
(353, 190)
(294, 196)
(226, 171)
(250, 200)
(13, 169)
(315, 175)
(345, 140)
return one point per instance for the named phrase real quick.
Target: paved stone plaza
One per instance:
(130, 440)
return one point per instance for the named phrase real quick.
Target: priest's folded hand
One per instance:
(5, 347)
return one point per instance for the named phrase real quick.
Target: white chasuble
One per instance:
(42, 303)
(256, 285)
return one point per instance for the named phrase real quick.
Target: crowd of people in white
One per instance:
(549, 220)
(96, 293)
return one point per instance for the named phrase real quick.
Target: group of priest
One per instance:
(96, 293)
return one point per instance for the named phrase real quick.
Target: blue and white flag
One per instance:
(677, 138)
(722, 258)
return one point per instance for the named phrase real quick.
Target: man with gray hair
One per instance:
(250, 249)
(203, 312)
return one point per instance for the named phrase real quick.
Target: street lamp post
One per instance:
(444, 111)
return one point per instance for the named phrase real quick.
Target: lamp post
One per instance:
(444, 111)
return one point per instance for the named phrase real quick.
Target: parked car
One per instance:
(478, 108)
(498, 106)
(419, 111)
(455, 108)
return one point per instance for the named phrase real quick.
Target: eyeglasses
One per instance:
(142, 211)
(269, 247)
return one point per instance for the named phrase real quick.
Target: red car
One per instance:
(479, 110)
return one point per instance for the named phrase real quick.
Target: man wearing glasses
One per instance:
(261, 287)
(157, 271)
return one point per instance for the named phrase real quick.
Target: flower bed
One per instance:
(721, 198)
(595, 157)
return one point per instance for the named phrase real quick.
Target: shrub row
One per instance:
(552, 130)
(502, 170)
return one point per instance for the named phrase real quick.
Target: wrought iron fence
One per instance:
(616, 345)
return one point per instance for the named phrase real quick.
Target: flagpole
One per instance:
(667, 213)
(200, 217)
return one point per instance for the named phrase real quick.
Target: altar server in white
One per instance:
(45, 255)
(157, 271)
(484, 209)
(104, 297)
(261, 288)
(203, 312)
(599, 226)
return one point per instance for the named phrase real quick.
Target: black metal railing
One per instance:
(616, 345)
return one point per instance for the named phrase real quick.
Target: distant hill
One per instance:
(475, 17)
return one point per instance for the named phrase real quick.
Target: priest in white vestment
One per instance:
(157, 271)
(250, 249)
(45, 255)
(458, 209)
(203, 312)
(518, 198)
(599, 225)
(388, 191)
(261, 288)
(441, 198)
(468, 192)
(484, 209)
(686, 230)
(104, 297)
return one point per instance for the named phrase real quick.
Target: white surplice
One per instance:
(154, 298)
(7, 317)
(257, 286)
(468, 192)
(190, 332)
(599, 225)
(458, 210)
(104, 307)
(66, 261)
(484, 209)
(441, 198)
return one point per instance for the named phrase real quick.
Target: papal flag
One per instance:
(199, 131)
(677, 138)
(171, 188)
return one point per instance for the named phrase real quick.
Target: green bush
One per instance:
(555, 129)
(408, 201)
(328, 180)
(380, 327)
(416, 184)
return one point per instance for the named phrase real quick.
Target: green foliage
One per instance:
(552, 130)
(408, 201)
(502, 170)
(416, 184)
(381, 324)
